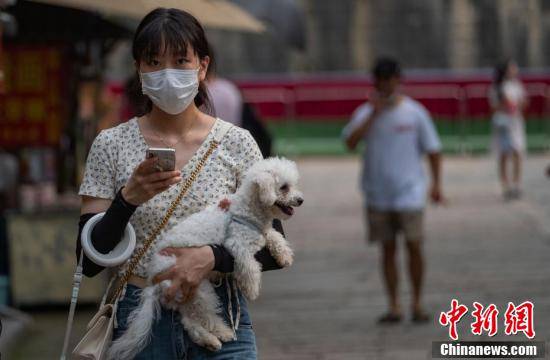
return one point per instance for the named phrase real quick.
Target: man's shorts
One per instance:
(384, 226)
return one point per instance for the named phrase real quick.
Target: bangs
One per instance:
(169, 31)
(159, 37)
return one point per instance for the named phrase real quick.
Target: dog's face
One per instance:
(277, 184)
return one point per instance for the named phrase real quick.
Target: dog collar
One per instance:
(246, 222)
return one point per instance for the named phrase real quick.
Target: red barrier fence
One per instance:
(332, 99)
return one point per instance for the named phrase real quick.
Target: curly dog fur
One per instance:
(268, 191)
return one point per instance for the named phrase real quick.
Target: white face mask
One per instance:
(172, 90)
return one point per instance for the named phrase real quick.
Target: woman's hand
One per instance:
(146, 182)
(192, 265)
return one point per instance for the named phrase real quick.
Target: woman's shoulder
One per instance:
(238, 142)
(110, 137)
(118, 130)
(235, 135)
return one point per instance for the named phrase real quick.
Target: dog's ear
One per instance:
(266, 188)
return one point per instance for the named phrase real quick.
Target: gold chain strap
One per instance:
(139, 254)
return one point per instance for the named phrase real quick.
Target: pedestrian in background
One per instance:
(226, 99)
(229, 105)
(508, 98)
(397, 132)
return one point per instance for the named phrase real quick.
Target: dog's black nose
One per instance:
(300, 201)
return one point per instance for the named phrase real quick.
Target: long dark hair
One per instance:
(500, 74)
(174, 30)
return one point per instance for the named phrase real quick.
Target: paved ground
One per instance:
(12, 323)
(479, 249)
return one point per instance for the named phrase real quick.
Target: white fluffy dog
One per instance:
(269, 191)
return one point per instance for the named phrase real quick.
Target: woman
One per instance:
(508, 99)
(172, 58)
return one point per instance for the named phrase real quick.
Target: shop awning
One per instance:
(211, 13)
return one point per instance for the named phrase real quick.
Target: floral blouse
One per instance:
(117, 151)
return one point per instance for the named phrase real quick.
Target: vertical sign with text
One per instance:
(31, 109)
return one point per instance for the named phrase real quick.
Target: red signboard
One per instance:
(31, 109)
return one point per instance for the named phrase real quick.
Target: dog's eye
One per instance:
(284, 187)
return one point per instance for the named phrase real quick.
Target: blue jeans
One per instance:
(170, 341)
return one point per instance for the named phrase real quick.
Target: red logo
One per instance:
(452, 317)
(520, 319)
(485, 319)
(516, 319)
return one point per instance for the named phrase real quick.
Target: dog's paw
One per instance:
(284, 257)
(208, 341)
(215, 347)
(279, 249)
(223, 332)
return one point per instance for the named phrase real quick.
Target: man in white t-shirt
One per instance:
(397, 132)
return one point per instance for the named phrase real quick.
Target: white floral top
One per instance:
(116, 152)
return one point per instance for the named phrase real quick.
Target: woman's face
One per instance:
(170, 60)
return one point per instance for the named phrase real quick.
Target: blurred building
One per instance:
(66, 69)
(347, 35)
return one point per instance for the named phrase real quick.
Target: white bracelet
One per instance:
(122, 251)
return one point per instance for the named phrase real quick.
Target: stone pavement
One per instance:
(12, 324)
(478, 248)
(325, 307)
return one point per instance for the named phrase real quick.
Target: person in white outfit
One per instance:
(398, 133)
(508, 99)
(227, 100)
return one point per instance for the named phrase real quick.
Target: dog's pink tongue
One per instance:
(290, 210)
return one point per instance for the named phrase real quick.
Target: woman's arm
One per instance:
(223, 260)
(107, 232)
(194, 263)
(144, 183)
(378, 104)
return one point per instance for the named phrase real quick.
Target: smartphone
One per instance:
(166, 156)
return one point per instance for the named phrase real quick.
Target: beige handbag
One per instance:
(99, 332)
